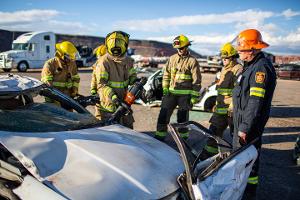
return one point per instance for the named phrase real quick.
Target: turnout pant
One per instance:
(218, 125)
(168, 105)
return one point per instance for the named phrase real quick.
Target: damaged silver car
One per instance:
(53, 148)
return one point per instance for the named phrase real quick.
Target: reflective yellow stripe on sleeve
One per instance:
(75, 84)
(47, 78)
(75, 77)
(258, 92)
(104, 75)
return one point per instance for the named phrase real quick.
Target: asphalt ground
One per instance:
(279, 175)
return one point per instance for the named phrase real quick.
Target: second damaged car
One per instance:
(53, 148)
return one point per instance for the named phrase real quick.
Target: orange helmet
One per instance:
(250, 39)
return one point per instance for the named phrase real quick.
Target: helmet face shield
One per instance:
(176, 44)
(249, 39)
(117, 43)
(180, 42)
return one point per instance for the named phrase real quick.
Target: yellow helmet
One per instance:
(100, 51)
(117, 43)
(66, 49)
(228, 50)
(180, 42)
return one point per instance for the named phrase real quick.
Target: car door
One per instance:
(223, 176)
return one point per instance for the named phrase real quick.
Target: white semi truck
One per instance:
(29, 51)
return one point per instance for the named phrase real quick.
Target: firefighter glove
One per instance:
(115, 100)
(194, 100)
(166, 91)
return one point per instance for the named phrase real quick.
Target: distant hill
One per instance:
(145, 48)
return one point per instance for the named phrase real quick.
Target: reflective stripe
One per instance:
(176, 91)
(195, 93)
(221, 111)
(253, 180)
(256, 91)
(161, 133)
(75, 77)
(47, 78)
(75, 84)
(93, 91)
(59, 84)
(116, 84)
(104, 75)
(108, 108)
(224, 91)
(211, 149)
(183, 76)
(107, 91)
(184, 135)
(69, 84)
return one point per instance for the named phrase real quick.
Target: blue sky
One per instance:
(208, 24)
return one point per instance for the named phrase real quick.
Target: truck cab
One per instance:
(29, 51)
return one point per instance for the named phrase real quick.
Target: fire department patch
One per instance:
(260, 77)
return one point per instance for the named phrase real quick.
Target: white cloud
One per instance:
(42, 20)
(289, 13)
(26, 16)
(160, 24)
(210, 44)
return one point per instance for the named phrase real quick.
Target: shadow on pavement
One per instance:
(285, 112)
(279, 175)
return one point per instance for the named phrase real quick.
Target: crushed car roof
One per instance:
(12, 83)
(98, 163)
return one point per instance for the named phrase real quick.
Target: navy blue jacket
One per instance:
(252, 97)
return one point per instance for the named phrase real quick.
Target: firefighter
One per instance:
(61, 71)
(181, 86)
(99, 51)
(114, 72)
(252, 97)
(222, 116)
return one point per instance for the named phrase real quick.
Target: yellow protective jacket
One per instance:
(225, 86)
(63, 76)
(182, 75)
(113, 77)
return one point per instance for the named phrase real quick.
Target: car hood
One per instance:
(98, 163)
(11, 83)
(20, 53)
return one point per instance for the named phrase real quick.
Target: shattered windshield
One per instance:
(42, 110)
(20, 46)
